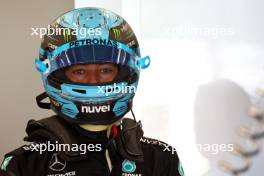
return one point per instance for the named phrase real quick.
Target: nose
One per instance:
(92, 79)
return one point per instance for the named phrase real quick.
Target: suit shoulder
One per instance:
(30, 150)
(13, 160)
(158, 146)
(22, 150)
(165, 156)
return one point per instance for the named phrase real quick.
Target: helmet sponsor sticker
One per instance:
(94, 41)
(95, 109)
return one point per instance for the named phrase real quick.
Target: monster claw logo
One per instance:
(117, 33)
(129, 33)
(67, 35)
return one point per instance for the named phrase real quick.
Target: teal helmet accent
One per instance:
(90, 36)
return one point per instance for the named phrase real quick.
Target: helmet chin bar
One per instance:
(81, 104)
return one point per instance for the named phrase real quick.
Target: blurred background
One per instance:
(207, 71)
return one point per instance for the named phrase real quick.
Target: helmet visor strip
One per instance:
(86, 53)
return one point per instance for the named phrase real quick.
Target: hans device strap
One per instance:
(128, 142)
(55, 130)
(41, 104)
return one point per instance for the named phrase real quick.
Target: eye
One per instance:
(78, 72)
(106, 70)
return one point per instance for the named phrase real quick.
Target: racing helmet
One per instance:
(89, 36)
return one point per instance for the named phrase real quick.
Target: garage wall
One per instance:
(20, 83)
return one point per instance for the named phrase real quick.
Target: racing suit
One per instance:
(126, 153)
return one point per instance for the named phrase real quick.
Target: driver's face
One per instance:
(91, 73)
